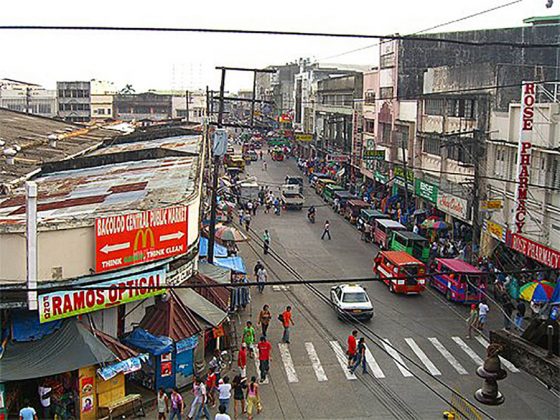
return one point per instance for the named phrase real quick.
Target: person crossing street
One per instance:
(326, 230)
(266, 242)
(265, 348)
(360, 357)
(286, 318)
(352, 348)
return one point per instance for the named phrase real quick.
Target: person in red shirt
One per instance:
(211, 387)
(352, 348)
(264, 347)
(286, 321)
(242, 360)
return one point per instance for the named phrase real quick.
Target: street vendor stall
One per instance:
(277, 154)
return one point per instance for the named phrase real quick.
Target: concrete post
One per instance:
(31, 241)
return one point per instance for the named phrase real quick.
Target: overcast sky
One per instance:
(179, 61)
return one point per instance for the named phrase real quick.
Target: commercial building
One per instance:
(74, 101)
(102, 93)
(143, 106)
(27, 97)
(196, 109)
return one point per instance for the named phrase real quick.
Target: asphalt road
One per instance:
(307, 379)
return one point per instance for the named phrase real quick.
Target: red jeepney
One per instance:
(458, 281)
(383, 229)
(400, 271)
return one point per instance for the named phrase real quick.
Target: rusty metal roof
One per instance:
(120, 350)
(30, 132)
(185, 144)
(171, 319)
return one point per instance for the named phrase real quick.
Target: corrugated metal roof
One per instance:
(187, 144)
(202, 307)
(219, 296)
(122, 351)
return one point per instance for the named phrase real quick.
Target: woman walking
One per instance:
(253, 398)
(264, 319)
(239, 386)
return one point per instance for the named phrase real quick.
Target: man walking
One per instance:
(482, 315)
(249, 337)
(247, 219)
(326, 230)
(286, 322)
(242, 360)
(262, 277)
(266, 241)
(360, 357)
(264, 357)
(177, 405)
(257, 267)
(352, 348)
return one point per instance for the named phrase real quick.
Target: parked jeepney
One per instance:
(368, 216)
(458, 281)
(313, 178)
(235, 161)
(329, 190)
(414, 244)
(353, 209)
(343, 197)
(322, 183)
(383, 231)
(400, 271)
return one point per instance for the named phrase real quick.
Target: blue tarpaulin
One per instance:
(219, 250)
(232, 263)
(145, 341)
(126, 366)
(26, 326)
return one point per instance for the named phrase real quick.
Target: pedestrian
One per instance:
(262, 278)
(177, 405)
(266, 241)
(222, 413)
(286, 318)
(508, 308)
(240, 213)
(265, 357)
(249, 207)
(247, 220)
(211, 387)
(44, 391)
(203, 403)
(261, 154)
(253, 398)
(520, 315)
(264, 166)
(264, 319)
(360, 357)
(255, 207)
(326, 230)
(472, 320)
(242, 360)
(162, 404)
(196, 400)
(239, 384)
(352, 348)
(27, 412)
(482, 315)
(257, 267)
(224, 390)
(249, 337)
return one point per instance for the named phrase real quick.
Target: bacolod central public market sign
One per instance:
(455, 206)
(68, 303)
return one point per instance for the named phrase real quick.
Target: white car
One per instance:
(351, 301)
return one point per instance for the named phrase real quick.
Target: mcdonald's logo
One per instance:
(144, 235)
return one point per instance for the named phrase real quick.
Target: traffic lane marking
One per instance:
(342, 360)
(470, 352)
(448, 356)
(510, 366)
(396, 358)
(288, 362)
(422, 356)
(373, 365)
(316, 363)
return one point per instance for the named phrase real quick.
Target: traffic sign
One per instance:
(136, 238)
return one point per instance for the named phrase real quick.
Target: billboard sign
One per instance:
(67, 303)
(136, 238)
(305, 137)
(220, 143)
(538, 252)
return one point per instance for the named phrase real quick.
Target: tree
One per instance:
(127, 89)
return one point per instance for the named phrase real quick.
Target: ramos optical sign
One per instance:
(135, 238)
(65, 304)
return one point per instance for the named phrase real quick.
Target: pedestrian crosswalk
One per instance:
(439, 356)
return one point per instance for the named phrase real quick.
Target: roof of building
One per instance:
(19, 81)
(219, 296)
(170, 319)
(30, 134)
(459, 265)
(543, 19)
(83, 193)
(401, 257)
(186, 144)
(122, 351)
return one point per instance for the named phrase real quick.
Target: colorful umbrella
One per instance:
(439, 225)
(537, 291)
(226, 233)
(428, 223)
(555, 299)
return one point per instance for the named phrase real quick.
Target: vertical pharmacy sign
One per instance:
(528, 97)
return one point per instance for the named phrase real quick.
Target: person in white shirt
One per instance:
(262, 277)
(482, 315)
(224, 389)
(222, 415)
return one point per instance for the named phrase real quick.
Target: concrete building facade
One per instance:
(102, 93)
(74, 100)
(140, 106)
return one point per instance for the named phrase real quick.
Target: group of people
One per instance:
(356, 352)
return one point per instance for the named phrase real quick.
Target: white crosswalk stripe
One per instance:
(396, 358)
(505, 362)
(342, 359)
(316, 363)
(448, 356)
(373, 365)
(470, 352)
(422, 356)
(288, 362)
(258, 367)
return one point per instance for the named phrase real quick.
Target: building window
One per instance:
(461, 108)
(370, 97)
(432, 145)
(461, 152)
(500, 163)
(369, 126)
(385, 133)
(555, 178)
(386, 92)
(434, 107)
(387, 60)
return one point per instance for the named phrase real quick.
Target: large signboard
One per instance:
(455, 206)
(426, 190)
(528, 98)
(68, 303)
(304, 137)
(495, 230)
(491, 205)
(135, 238)
(540, 253)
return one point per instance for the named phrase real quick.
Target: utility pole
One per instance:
(477, 151)
(213, 205)
(187, 102)
(253, 99)
(404, 156)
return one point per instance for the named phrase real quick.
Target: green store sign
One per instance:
(398, 171)
(379, 177)
(427, 191)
